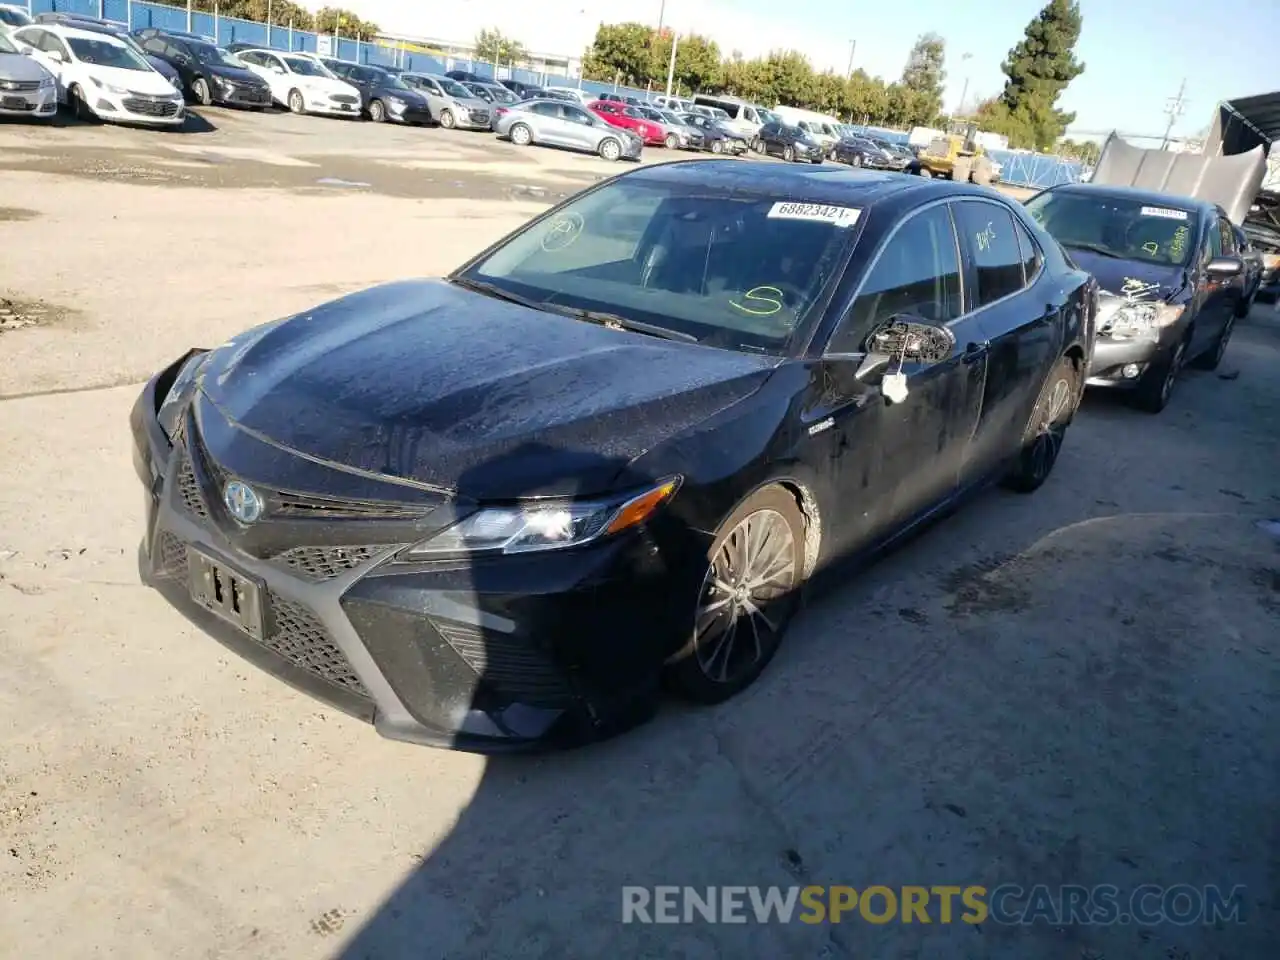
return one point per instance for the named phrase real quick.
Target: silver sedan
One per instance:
(561, 124)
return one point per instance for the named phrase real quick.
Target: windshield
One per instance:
(669, 117)
(454, 89)
(214, 56)
(14, 18)
(6, 46)
(305, 67)
(389, 80)
(104, 53)
(768, 116)
(738, 271)
(1117, 226)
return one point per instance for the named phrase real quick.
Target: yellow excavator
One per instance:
(957, 156)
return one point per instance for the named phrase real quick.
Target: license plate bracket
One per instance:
(227, 593)
(16, 103)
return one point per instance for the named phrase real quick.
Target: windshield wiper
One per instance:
(1094, 248)
(615, 322)
(497, 292)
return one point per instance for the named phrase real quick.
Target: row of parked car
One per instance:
(103, 71)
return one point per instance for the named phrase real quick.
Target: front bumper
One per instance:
(138, 108)
(472, 120)
(506, 654)
(240, 94)
(1110, 357)
(411, 114)
(324, 103)
(25, 100)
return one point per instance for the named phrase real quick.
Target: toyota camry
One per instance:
(496, 510)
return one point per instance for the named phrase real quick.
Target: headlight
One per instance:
(397, 102)
(110, 87)
(48, 83)
(1133, 321)
(544, 526)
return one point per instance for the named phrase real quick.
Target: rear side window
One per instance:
(1030, 252)
(988, 232)
(917, 273)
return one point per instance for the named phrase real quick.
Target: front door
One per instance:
(899, 457)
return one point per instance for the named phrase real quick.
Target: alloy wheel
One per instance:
(377, 112)
(447, 120)
(754, 568)
(1051, 429)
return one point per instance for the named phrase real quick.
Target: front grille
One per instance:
(171, 556)
(325, 563)
(509, 665)
(325, 508)
(344, 98)
(189, 489)
(301, 639)
(250, 94)
(8, 86)
(479, 116)
(150, 108)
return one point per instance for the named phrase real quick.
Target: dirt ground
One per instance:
(1077, 687)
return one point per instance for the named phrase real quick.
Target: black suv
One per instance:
(384, 96)
(525, 91)
(207, 73)
(789, 143)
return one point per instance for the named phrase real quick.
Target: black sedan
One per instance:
(492, 511)
(716, 137)
(385, 96)
(525, 91)
(865, 152)
(1171, 278)
(788, 142)
(207, 73)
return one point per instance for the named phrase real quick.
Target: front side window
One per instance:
(993, 245)
(740, 272)
(1118, 227)
(917, 274)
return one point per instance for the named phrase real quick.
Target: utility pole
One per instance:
(964, 93)
(853, 47)
(1174, 107)
(662, 15)
(671, 67)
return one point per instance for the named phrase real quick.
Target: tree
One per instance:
(1038, 69)
(620, 51)
(697, 61)
(344, 24)
(283, 12)
(925, 77)
(492, 47)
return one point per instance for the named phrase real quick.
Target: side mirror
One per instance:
(908, 338)
(25, 50)
(1225, 267)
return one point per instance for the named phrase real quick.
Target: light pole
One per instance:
(853, 47)
(671, 67)
(964, 91)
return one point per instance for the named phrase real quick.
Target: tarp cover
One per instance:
(1231, 181)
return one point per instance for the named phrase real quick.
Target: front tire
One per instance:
(857, 160)
(610, 149)
(296, 102)
(672, 141)
(1210, 359)
(200, 91)
(924, 172)
(1044, 435)
(788, 154)
(378, 111)
(448, 120)
(755, 568)
(717, 146)
(79, 108)
(1156, 386)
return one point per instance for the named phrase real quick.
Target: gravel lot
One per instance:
(1077, 687)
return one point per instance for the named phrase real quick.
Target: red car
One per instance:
(621, 115)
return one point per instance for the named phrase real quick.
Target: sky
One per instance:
(1136, 52)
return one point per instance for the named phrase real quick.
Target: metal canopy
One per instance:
(1245, 123)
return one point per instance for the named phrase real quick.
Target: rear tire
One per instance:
(520, 135)
(610, 149)
(755, 568)
(1044, 435)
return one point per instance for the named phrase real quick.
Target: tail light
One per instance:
(499, 111)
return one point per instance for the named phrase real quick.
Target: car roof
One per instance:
(1153, 197)
(832, 184)
(77, 33)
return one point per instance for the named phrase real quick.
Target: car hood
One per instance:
(328, 84)
(470, 103)
(139, 81)
(163, 67)
(15, 66)
(236, 74)
(1124, 276)
(427, 381)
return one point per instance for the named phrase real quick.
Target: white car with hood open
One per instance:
(100, 77)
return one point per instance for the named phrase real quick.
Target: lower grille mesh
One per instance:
(302, 640)
(325, 563)
(510, 665)
(189, 490)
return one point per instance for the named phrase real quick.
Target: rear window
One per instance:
(742, 272)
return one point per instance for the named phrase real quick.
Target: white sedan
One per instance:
(102, 78)
(302, 83)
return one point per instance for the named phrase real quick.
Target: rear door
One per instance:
(1021, 319)
(551, 125)
(896, 461)
(579, 127)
